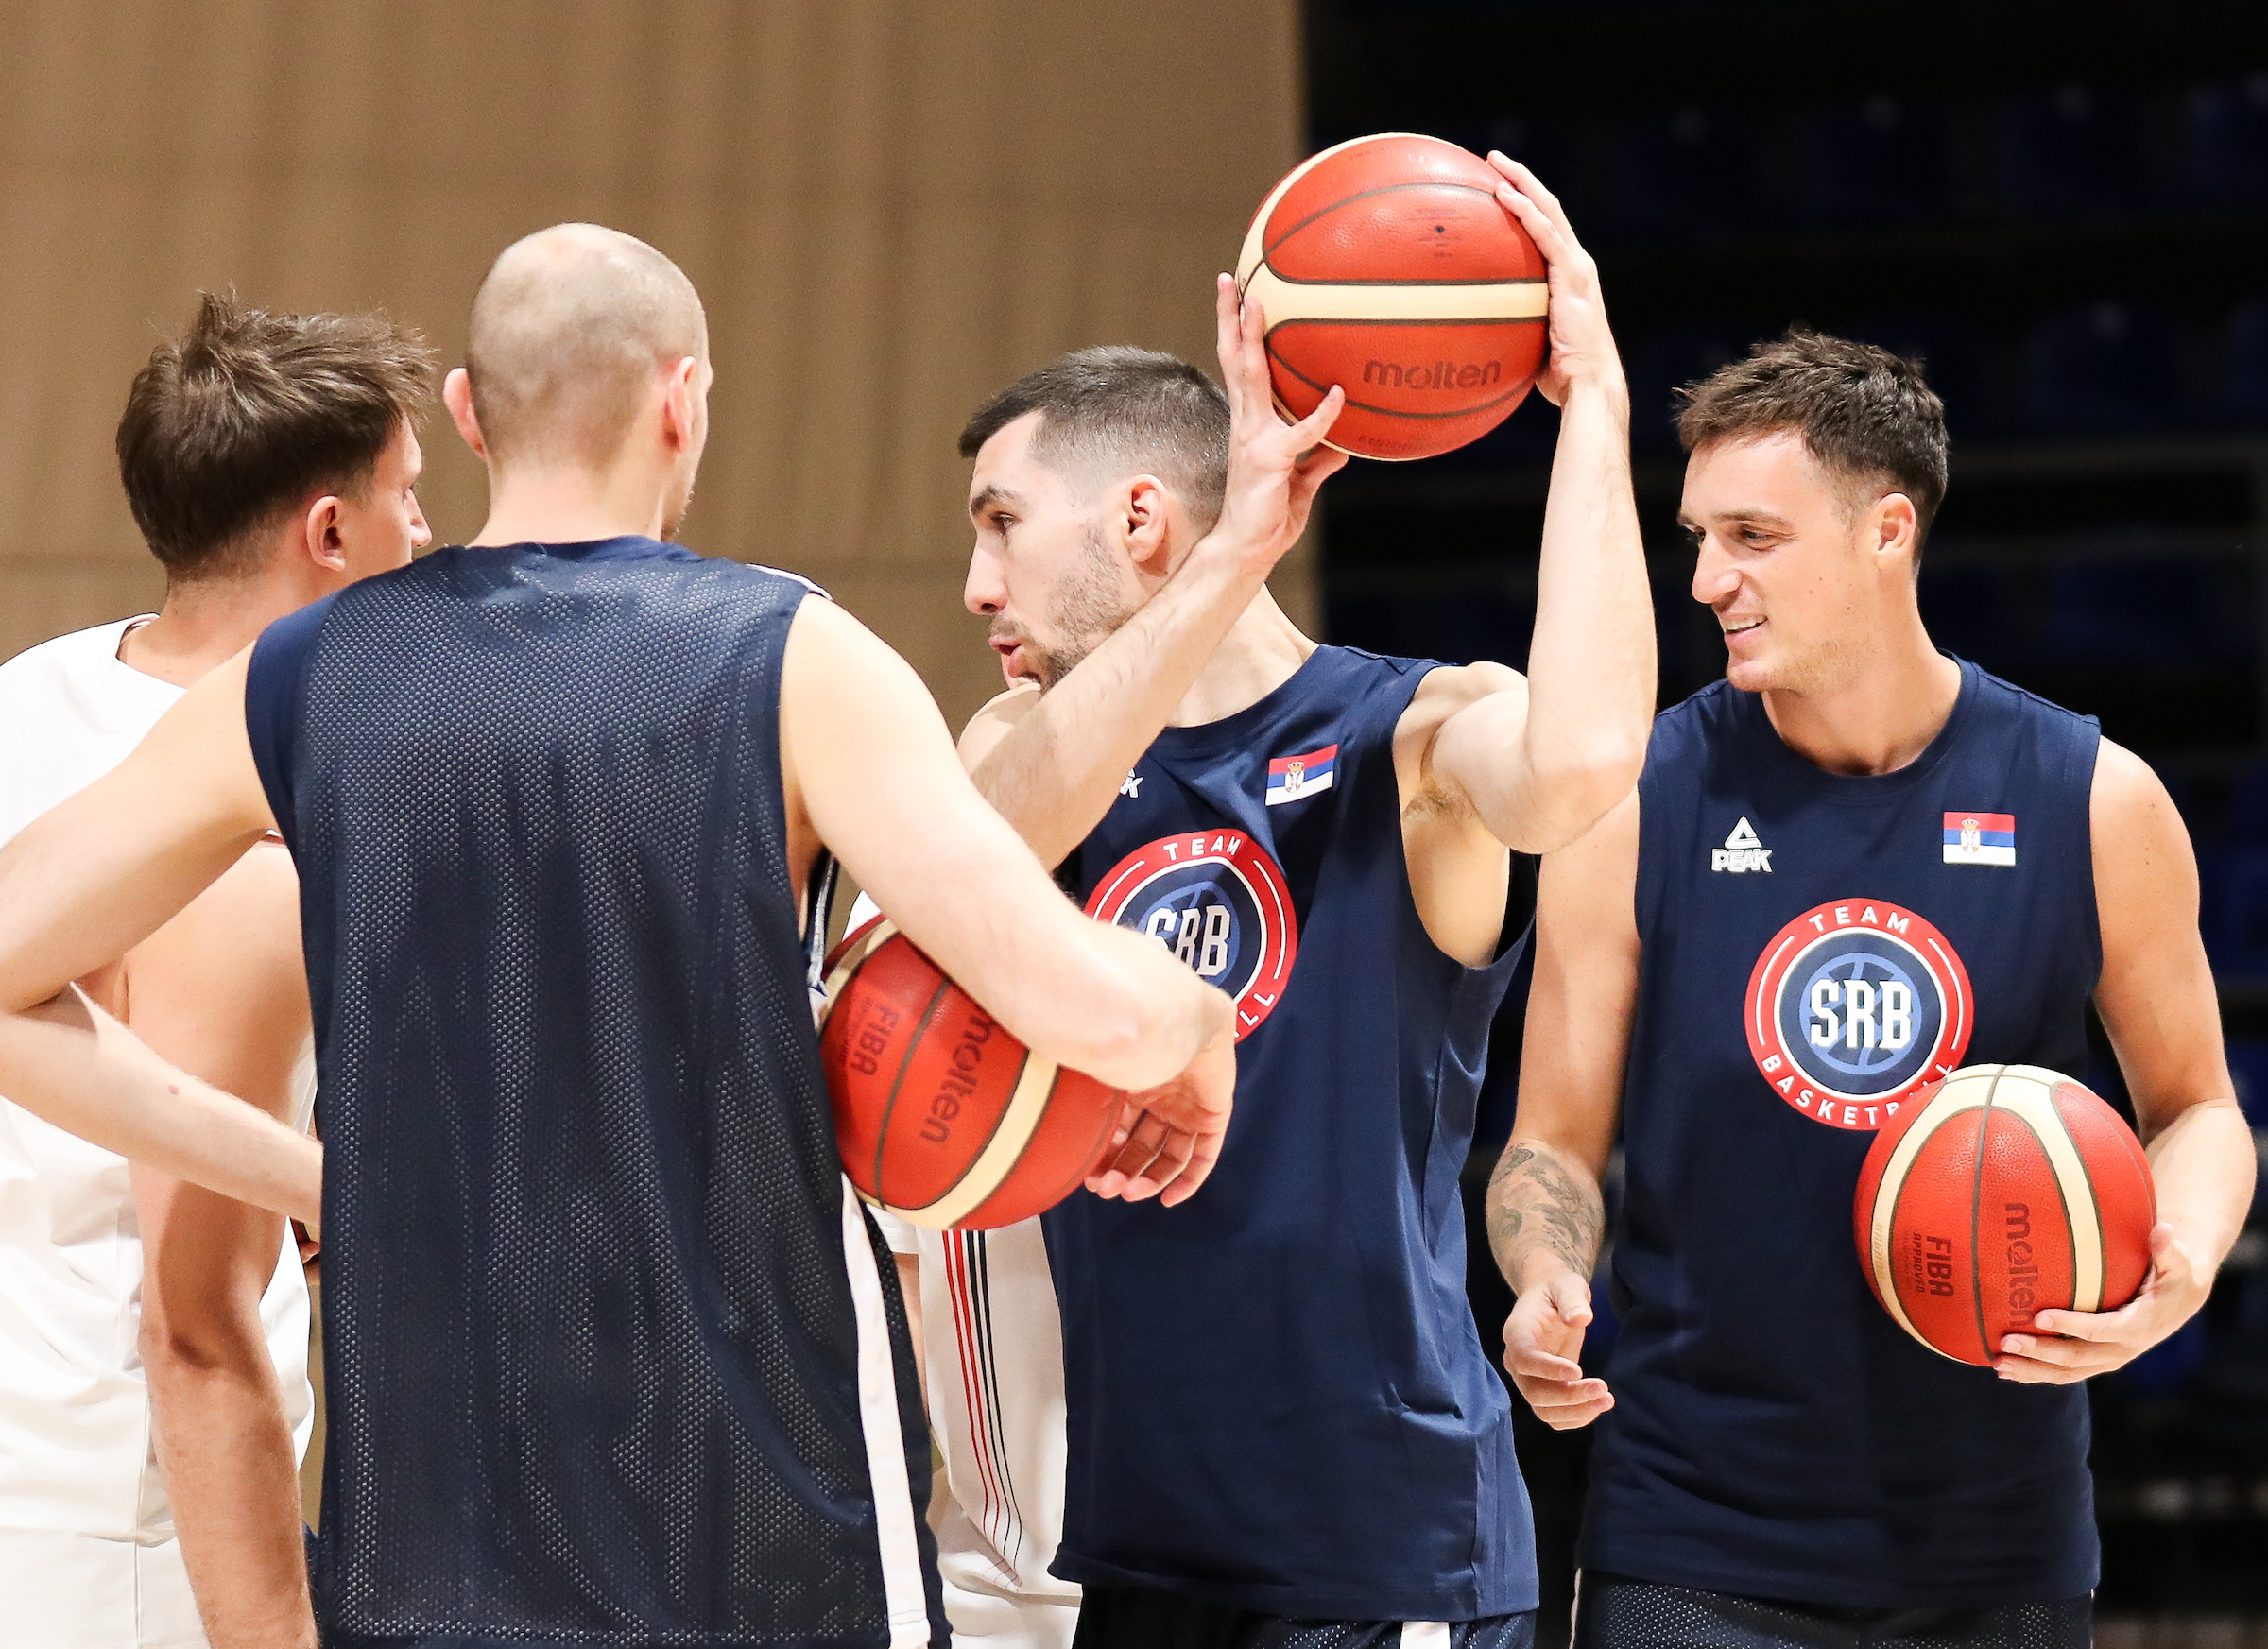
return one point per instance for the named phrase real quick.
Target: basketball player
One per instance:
(608, 1351)
(1282, 1427)
(268, 459)
(1781, 1464)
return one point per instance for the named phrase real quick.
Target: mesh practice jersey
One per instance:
(1277, 1399)
(614, 1357)
(1816, 948)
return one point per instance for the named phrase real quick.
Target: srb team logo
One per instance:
(1853, 1008)
(1217, 900)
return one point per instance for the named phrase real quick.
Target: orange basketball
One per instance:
(941, 1116)
(1386, 266)
(2003, 1190)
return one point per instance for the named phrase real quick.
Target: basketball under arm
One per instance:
(866, 755)
(1545, 1209)
(82, 885)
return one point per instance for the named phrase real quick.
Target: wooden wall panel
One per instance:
(892, 209)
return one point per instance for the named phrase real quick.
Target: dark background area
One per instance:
(2064, 209)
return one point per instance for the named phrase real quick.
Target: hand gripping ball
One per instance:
(2003, 1190)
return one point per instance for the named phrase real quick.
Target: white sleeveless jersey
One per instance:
(992, 1350)
(87, 1554)
(994, 1353)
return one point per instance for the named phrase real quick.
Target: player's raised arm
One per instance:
(1540, 765)
(1545, 1213)
(1101, 1000)
(80, 887)
(1054, 766)
(2157, 999)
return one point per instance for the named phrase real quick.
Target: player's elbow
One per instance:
(210, 1335)
(1576, 787)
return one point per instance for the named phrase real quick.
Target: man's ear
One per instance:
(456, 394)
(681, 403)
(1895, 525)
(1147, 521)
(322, 535)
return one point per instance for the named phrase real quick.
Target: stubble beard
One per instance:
(1084, 612)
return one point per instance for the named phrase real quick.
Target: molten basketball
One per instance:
(2003, 1190)
(1386, 266)
(942, 1117)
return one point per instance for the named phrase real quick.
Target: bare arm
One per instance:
(84, 885)
(2157, 1002)
(1053, 765)
(1540, 764)
(1546, 1217)
(221, 990)
(873, 771)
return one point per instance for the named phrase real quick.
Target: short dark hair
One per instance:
(1864, 412)
(249, 413)
(1130, 408)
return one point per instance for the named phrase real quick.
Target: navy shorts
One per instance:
(1141, 1617)
(1615, 1612)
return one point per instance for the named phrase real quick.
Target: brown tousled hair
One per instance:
(249, 413)
(1865, 413)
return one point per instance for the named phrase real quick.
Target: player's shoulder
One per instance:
(1695, 723)
(1449, 688)
(65, 655)
(2007, 698)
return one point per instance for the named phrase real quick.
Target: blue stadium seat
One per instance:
(1882, 158)
(2233, 911)
(2225, 131)
(1665, 361)
(2243, 361)
(1956, 357)
(2075, 151)
(2248, 828)
(1690, 172)
(2104, 367)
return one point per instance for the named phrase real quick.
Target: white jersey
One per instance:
(88, 1559)
(993, 1346)
(993, 1350)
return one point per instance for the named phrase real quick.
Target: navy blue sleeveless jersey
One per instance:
(1816, 948)
(1277, 1398)
(612, 1358)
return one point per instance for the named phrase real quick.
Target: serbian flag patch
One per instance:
(1980, 838)
(1293, 776)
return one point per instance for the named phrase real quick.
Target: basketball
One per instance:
(1386, 266)
(942, 1117)
(2006, 1189)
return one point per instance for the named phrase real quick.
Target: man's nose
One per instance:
(420, 533)
(1714, 575)
(986, 592)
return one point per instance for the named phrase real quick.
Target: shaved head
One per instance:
(569, 331)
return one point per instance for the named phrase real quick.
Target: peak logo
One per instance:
(1742, 852)
(1853, 1008)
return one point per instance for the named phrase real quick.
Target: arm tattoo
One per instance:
(1536, 1205)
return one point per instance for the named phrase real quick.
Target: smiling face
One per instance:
(1802, 571)
(1044, 570)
